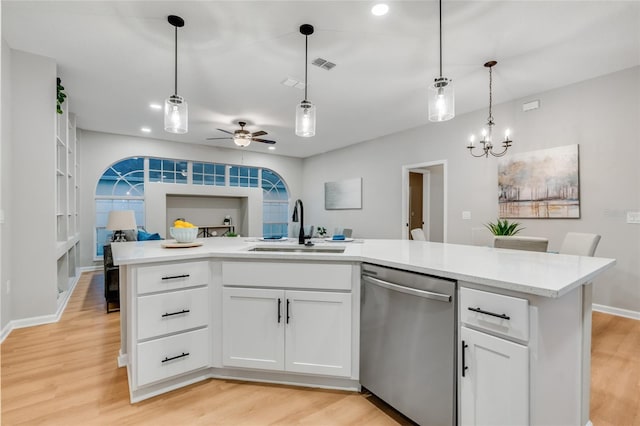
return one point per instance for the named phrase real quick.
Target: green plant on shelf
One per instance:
(322, 231)
(230, 234)
(60, 95)
(504, 227)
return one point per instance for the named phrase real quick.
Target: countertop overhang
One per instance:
(542, 274)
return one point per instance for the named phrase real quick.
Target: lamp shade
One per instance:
(306, 119)
(176, 115)
(120, 220)
(441, 100)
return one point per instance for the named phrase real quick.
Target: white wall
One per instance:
(436, 199)
(602, 115)
(100, 150)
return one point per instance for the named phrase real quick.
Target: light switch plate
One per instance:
(466, 215)
(633, 217)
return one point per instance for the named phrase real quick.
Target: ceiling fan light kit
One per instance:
(487, 133)
(242, 137)
(176, 114)
(441, 93)
(306, 111)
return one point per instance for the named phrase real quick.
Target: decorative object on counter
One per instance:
(120, 221)
(343, 195)
(504, 227)
(540, 184)
(61, 96)
(306, 111)
(169, 244)
(227, 220)
(176, 114)
(231, 234)
(322, 231)
(487, 134)
(184, 235)
(441, 93)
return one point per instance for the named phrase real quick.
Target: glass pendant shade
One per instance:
(306, 119)
(176, 115)
(242, 141)
(441, 100)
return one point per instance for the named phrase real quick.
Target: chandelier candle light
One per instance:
(441, 96)
(175, 108)
(306, 111)
(486, 141)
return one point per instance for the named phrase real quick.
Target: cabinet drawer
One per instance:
(170, 276)
(504, 315)
(171, 312)
(288, 274)
(169, 356)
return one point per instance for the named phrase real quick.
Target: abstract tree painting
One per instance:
(540, 184)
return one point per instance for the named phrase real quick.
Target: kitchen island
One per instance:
(226, 310)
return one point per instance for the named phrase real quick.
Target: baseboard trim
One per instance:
(43, 319)
(616, 311)
(91, 268)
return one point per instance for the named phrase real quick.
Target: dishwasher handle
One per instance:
(408, 290)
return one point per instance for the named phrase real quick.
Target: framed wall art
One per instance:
(346, 194)
(543, 184)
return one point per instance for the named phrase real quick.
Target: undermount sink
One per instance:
(292, 249)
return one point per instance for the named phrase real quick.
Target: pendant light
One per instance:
(441, 99)
(176, 113)
(487, 133)
(306, 111)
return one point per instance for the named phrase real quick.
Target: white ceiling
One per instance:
(116, 57)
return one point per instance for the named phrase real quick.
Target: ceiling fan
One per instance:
(242, 137)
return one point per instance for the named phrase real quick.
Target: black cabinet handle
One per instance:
(464, 363)
(184, 311)
(279, 314)
(480, 311)
(166, 359)
(288, 311)
(173, 277)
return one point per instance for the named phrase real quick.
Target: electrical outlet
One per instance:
(466, 215)
(633, 217)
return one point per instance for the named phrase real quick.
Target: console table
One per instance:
(206, 230)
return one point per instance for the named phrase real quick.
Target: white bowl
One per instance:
(184, 235)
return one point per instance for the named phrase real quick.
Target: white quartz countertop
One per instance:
(543, 274)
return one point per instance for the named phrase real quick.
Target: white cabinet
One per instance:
(169, 326)
(494, 359)
(494, 384)
(291, 330)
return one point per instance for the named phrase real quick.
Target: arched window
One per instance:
(121, 187)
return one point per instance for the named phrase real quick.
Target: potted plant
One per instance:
(322, 231)
(60, 95)
(504, 227)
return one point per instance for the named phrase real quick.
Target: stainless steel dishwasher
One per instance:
(407, 342)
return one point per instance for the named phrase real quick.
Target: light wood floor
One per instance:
(66, 374)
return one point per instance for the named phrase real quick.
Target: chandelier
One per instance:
(487, 133)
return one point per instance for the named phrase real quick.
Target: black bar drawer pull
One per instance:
(464, 362)
(279, 314)
(288, 311)
(184, 311)
(480, 311)
(173, 277)
(166, 359)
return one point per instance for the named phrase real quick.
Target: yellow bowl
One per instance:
(184, 235)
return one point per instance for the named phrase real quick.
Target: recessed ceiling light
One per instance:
(145, 129)
(380, 9)
(155, 106)
(272, 148)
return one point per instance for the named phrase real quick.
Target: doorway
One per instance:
(424, 200)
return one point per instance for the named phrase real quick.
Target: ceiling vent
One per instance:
(323, 63)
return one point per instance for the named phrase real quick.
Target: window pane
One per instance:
(155, 164)
(155, 176)
(198, 168)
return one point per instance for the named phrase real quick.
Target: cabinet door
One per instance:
(495, 387)
(253, 328)
(318, 332)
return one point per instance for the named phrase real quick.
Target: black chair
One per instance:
(111, 281)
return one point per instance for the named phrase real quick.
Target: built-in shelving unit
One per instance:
(66, 209)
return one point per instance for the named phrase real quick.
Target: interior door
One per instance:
(415, 201)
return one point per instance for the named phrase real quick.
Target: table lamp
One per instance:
(119, 221)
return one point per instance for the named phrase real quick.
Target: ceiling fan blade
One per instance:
(212, 139)
(226, 131)
(259, 133)
(263, 141)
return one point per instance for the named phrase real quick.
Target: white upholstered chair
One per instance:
(418, 234)
(580, 244)
(521, 243)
